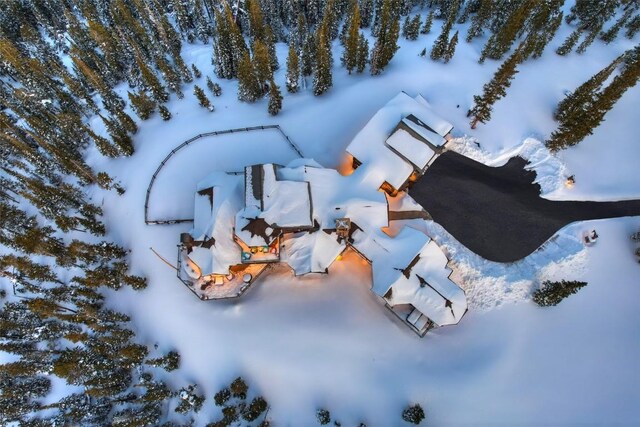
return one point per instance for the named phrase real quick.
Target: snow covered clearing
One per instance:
(328, 342)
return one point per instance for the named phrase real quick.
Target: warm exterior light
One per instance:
(570, 181)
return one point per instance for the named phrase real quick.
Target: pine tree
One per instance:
(611, 34)
(350, 54)
(196, 72)
(451, 49)
(270, 42)
(582, 116)
(151, 82)
(428, 22)
(366, 13)
(214, 88)
(308, 56)
(256, 22)
(633, 26)
(413, 29)
(386, 42)
(480, 19)
(363, 53)
(170, 76)
(229, 45)
(164, 112)
(442, 42)
(275, 98)
(261, 63)
(413, 414)
(552, 293)
(405, 27)
(494, 90)
(142, 104)
(322, 78)
(293, 69)
(330, 20)
(500, 42)
(249, 87)
(569, 43)
(202, 98)
(586, 93)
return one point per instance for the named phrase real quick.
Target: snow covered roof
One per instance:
(425, 284)
(410, 148)
(312, 252)
(218, 198)
(388, 255)
(378, 161)
(424, 131)
(270, 205)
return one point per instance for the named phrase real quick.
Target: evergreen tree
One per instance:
(142, 104)
(428, 22)
(494, 90)
(196, 71)
(170, 76)
(405, 27)
(164, 112)
(611, 34)
(293, 69)
(451, 49)
(442, 42)
(275, 98)
(202, 98)
(261, 64)
(151, 82)
(308, 56)
(480, 19)
(569, 43)
(270, 42)
(633, 26)
(386, 42)
(413, 28)
(330, 20)
(413, 414)
(363, 53)
(586, 93)
(249, 87)
(584, 112)
(228, 46)
(552, 293)
(500, 42)
(366, 12)
(256, 22)
(215, 88)
(322, 78)
(350, 54)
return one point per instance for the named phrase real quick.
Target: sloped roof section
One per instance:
(426, 286)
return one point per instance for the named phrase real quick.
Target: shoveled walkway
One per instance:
(497, 212)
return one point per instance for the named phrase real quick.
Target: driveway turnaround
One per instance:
(498, 212)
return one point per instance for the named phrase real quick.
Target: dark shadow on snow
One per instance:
(498, 212)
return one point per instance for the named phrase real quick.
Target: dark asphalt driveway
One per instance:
(498, 212)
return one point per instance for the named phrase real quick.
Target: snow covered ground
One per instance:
(328, 342)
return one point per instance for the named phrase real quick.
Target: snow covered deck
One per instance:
(232, 285)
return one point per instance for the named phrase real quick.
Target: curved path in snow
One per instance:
(498, 212)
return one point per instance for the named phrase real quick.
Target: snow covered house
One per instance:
(305, 216)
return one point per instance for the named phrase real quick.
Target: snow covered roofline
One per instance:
(306, 216)
(393, 161)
